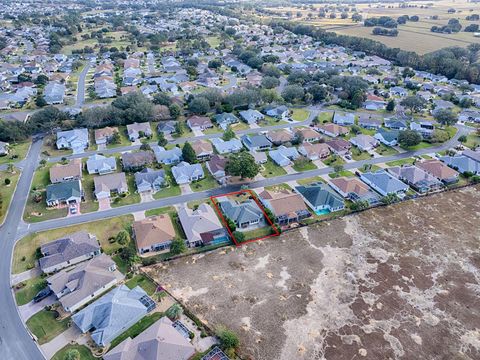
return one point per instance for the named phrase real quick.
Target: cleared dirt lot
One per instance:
(401, 282)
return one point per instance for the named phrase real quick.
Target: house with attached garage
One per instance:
(64, 193)
(216, 167)
(343, 118)
(227, 147)
(150, 181)
(395, 124)
(245, 214)
(54, 93)
(320, 198)
(462, 164)
(105, 135)
(136, 131)
(68, 172)
(279, 137)
(339, 146)
(167, 157)
(469, 116)
(398, 91)
(332, 130)
(199, 123)
(354, 190)
(78, 286)
(4, 148)
(278, 112)
(256, 142)
(283, 156)
(135, 161)
(167, 127)
(106, 185)
(370, 122)
(225, 119)
(185, 173)
(67, 251)
(99, 164)
(288, 207)
(314, 151)
(425, 128)
(384, 183)
(417, 178)
(154, 234)
(374, 103)
(260, 157)
(203, 149)
(438, 169)
(251, 116)
(308, 135)
(387, 137)
(364, 142)
(76, 139)
(112, 314)
(202, 226)
(474, 155)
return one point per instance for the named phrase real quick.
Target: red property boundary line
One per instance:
(219, 212)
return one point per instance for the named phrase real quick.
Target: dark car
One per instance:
(42, 294)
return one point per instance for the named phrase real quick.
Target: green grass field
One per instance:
(6, 191)
(30, 288)
(145, 283)
(85, 353)
(407, 161)
(17, 152)
(299, 114)
(45, 326)
(269, 169)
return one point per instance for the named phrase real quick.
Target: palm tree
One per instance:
(174, 311)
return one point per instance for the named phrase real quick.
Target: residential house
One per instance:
(202, 226)
(54, 93)
(167, 157)
(227, 147)
(332, 130)
(199, 123)
(308, 135)
(154, 234)
(283, 156)
(387, 137)
(185, 173)
(354, 190)
(67, 251)
(225, 119)
(364, 142)
(245, 215)
(395, 124)
(75, 288)
(439, 170)
(251, 116)
(76, 139)
(136, 131)
(150, 181)
(287, 206)
(256, 142)
(64, 193)
(343, 118)
(68, 172)
(384, 183)
(113, 313)
(167, 127)
(161, 340)
(279, 137)
(469, 115)
(214, 354)
(398, 91)
(216, 167)
(339, 146)
(474, 155)
(314, 151)
(278, 112)
(4, 148)
(425, 128)
(135, 161)
(99, 164)
(417, 178)
(203, 149)
(105, 135)
(374, 103)
(106, 185)
(260, 157)
(370, 122)
(320, 198)
(462, 164)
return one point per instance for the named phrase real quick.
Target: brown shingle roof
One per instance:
(437, 168)
(351, 185)
(71, 170)
(153, 230)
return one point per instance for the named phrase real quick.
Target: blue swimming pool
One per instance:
(322, 212)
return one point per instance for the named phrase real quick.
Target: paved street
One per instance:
(81, 86)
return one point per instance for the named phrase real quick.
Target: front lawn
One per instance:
(369, 168)
(240, 126)
(270, 121)
(358, 154)
(213, 130)
(384, 150)
(124, 140)
(17, 151)
(24, 254)
(207, 183)
(325, 117)
(145, 283)
(303, 166)
(299, 114)
(85, 353)
(6, 191)
(133, 197)
(333, 160)
(400, 162)
(45, 326)
(311, 180)
(422, 145)
(28, 289)
(343, 173)
(172, 190)
(472, 141)
(137, 328)
(269, 169)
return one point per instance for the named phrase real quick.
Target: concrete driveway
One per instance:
(30, 309)
(197, 132)
(146, 197)
(24, 276)
(104, 204)
(290, 170)
(68, 336)
(319, 164)
(186, 189)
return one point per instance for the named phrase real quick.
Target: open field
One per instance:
(392, 282)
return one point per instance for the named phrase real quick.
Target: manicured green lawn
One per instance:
(304, 166)
(41, 177)
(422, 145)
(333, 160)
(124, 140)
(310, 180)
(401, 162)
(300, 114)
(213, 130)
(6, 191)
(270, 121)
(358, 154)
(172, 190)
(207, 183)
(85, 353)
(324, 117)
(257, 233)
(384, 150)
(30, 288)
(45, 326)
(213, 41)
(369, 167)
(103, 229)
(17, 152)
(132, 197)
(145, 283)
(137, 328)
(472, 141)
(278, 187)
(427, 157)
(269, 169)
(240, 126)
(344, 173)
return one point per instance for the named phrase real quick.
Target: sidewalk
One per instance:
(26, 275)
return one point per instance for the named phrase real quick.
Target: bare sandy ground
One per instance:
(400, 282)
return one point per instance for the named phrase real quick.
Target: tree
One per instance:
(116, 138)
(239, 236)
(128, 255)
(445, 116)
(439, 136)
(270, 82)
(214, 63)
(228, 339)
(199, 105)
(188, 153)
(123, 237)
(414, 103)
(389, 199)
(161, 139)
(7, 181)
(162, 99)
(293, 93)
(319, 93)
(175, 111)
(179, 128)
(407, 138)
(174, 312)
(359, 205)
(242, 164)
(177, 247)
(72, 354)
(390, 105)
(462, 138)
(41, 80)
(337, 168)
(229, 134)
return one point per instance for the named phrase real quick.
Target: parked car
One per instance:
(42, 294)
